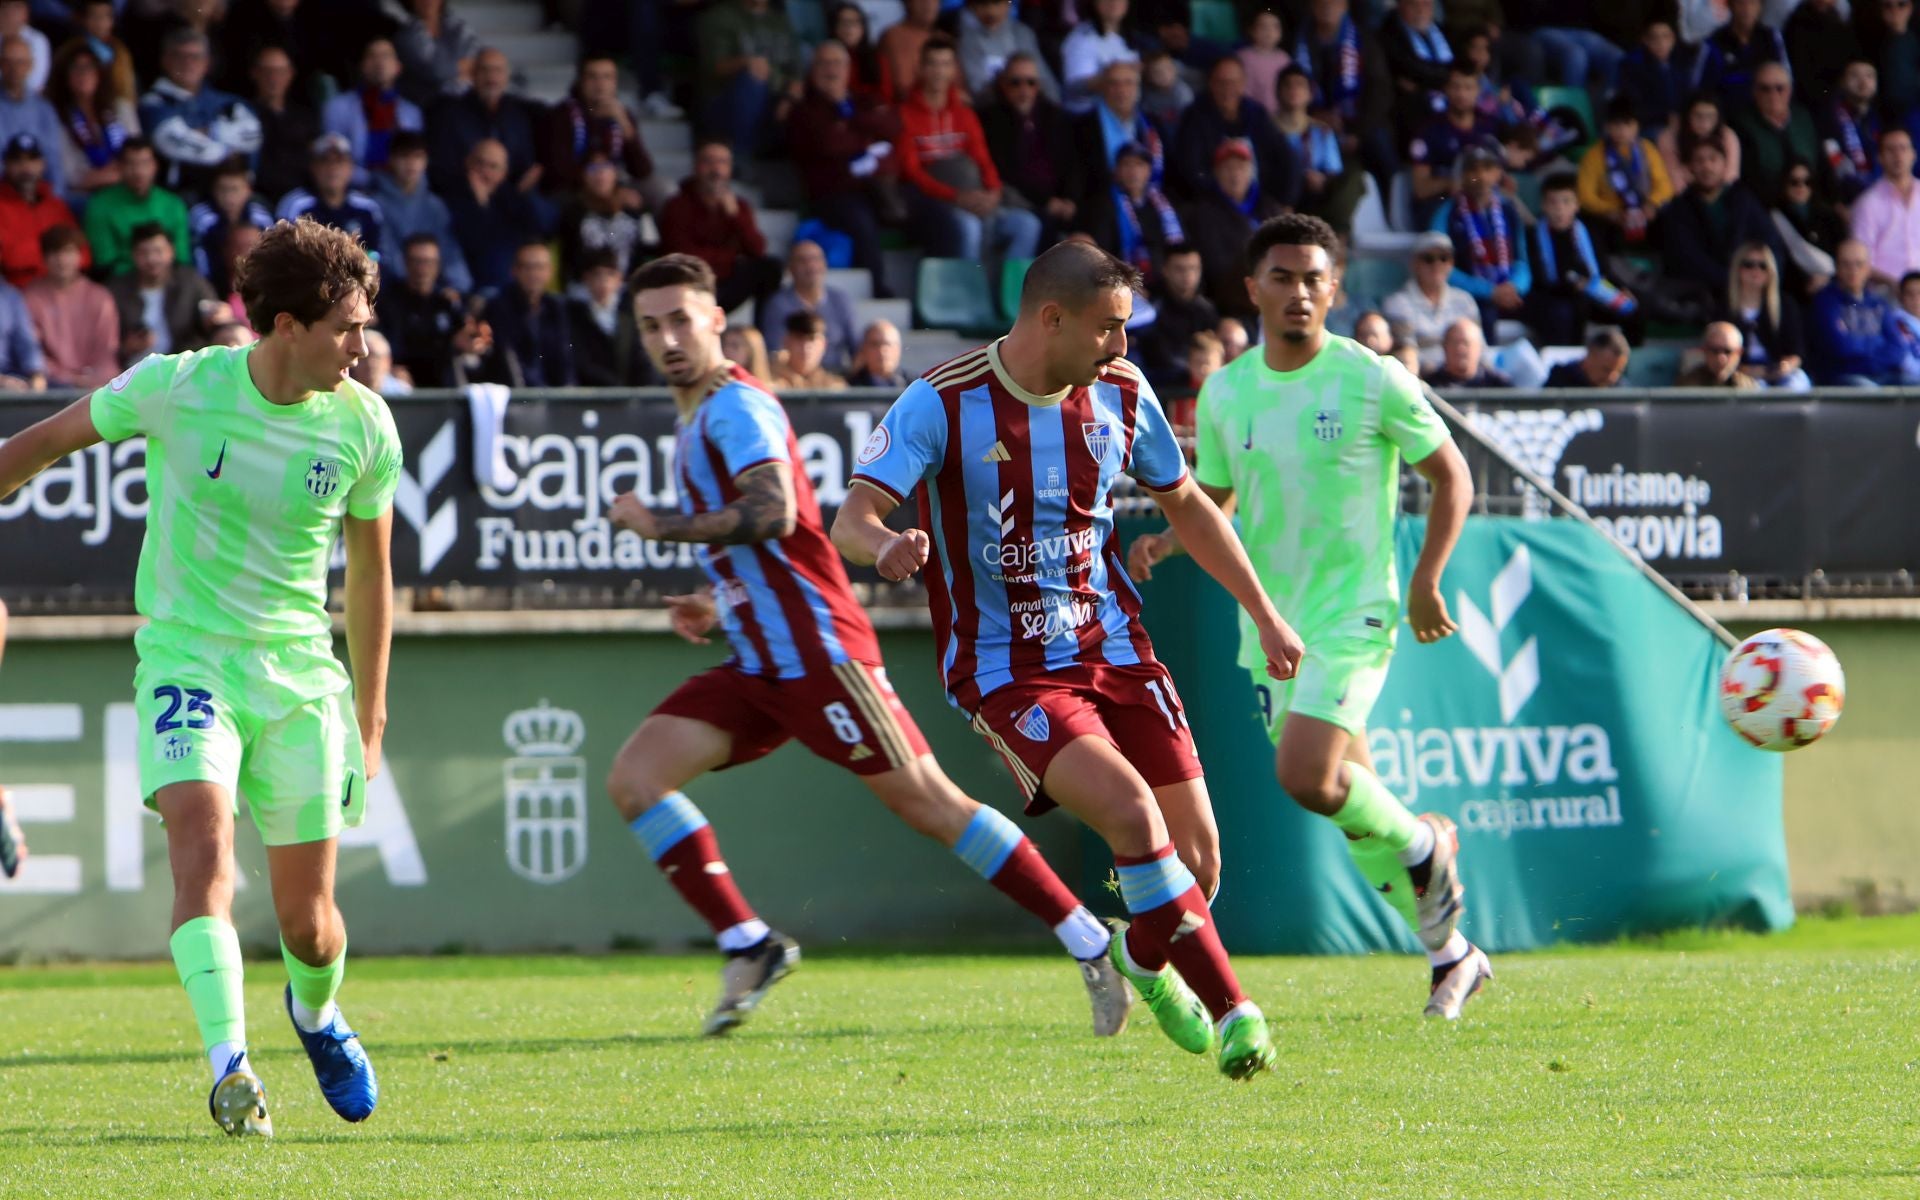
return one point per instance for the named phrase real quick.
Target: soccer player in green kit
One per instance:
(258, 458)
(1305, 433)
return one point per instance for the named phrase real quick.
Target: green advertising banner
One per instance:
(490, 828)
(1571, 728)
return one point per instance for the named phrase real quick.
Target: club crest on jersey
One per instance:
(1099, 436)
(1033, 724)
(323, 477)
(1326, 425)
(177, 747)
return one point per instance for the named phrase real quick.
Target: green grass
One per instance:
(1695, 1065)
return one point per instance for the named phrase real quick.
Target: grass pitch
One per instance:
(1698, 1066)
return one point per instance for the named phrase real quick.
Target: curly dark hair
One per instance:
(1290, 229)
(303, 268)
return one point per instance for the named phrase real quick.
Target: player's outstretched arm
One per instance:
(860, 531)
(765, 512)
(44, 443)
(369, 543)
(1207, 536)
(1150, 548)
(1446, 469)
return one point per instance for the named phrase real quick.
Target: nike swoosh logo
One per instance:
(213, 472)
(346, 801)
(1248, 444)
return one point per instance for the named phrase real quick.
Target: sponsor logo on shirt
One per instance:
(1046, 619)
(998, 453)
(120, 381)
(877, 444)
(1033, 724)
(1054, 489)
(213, 472)
(1048, 556)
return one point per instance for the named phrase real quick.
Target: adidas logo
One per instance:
(1190, 922)
(859, 752)
(997, 454)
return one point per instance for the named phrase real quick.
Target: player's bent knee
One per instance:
(1205, 868)
(1311, 787)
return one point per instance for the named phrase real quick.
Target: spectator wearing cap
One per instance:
(428, 323)
(486, 111)
(74, 317)
(1221, 220)
(602, 214)
(1489, 240)
(593, 122)
(1096, 43)
(165, 306)
(114, 212)
(606, 341)
(810, 292)
(1435, 153)
(1570, 284)
(1463, 360)
(1329, 188)
(288, 124)
(373, 112)
(1721, 350)
(94, 119)
(954, 202)
(1180, 311)
(1226, 113)
(13, 23)
(711, 221)
(1115, 120)
(750, 70)
(1429, 305)
(331, 198)
(407, 208)
(797, 366)
(1853, 339)
(194, 127)
(1030, 139)
(1886, 217)
(989, 37)
(22, 366)
(28, 208)
(842, 142)
(878, 362)
(1623, 180)
(1603, 365)
(23, 109)
(530, 324)
(230, 201)
(1135, 221)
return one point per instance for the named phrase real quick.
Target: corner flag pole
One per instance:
(1569, 509)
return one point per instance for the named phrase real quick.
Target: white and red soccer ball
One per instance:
(1782, 689)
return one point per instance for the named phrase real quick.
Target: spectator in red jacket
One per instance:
(28, 208)
(843, 145)
(714, 223)
(953, 190)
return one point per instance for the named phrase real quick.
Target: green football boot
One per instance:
(1245, 1047)
(1181, 1015)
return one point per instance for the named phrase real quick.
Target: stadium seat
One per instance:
(809, 21)
(1527, 186)
(1012, 274)
(1215, 21)
(953, 293)
(1573, 99)
(1400, 202)
(1370, 280)
(1655, 365)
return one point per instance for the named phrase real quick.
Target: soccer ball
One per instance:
(1782, 689)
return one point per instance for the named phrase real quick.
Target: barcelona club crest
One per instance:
(1099, 435)
(1033, 724)
(546, 793)
(323, 477)
(1326, 425)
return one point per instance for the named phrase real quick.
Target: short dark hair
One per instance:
(1071, 274)
(1560, 181)
(406, 141)
(136, 142)
(532, 243)
(1620, 111)
(55, 238)
(303, 268)
(1888, 131)
(1462, 69)
(422, 238)
(1175, 249)
(1909, 277)
(145, 230)
(1608, 339)
(806, 324)
(674, 270)
(235, 165)
(1290, 229)
(602, 259)
(593, 56)
(936, 43)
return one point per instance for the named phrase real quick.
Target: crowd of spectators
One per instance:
(1743, 168)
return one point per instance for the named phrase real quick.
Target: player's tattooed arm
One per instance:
(765, 511)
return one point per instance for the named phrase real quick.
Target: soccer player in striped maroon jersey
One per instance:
(1011, 452)
(806, 665)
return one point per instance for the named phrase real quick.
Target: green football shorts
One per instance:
(1338, 682)
(272, 721)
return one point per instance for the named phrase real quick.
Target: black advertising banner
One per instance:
(1772, 489)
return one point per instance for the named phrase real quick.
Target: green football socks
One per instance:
(206, 951)
(313, 987)
(1379, 829)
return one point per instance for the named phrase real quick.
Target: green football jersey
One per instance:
(1313, 457)
(245, 498)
